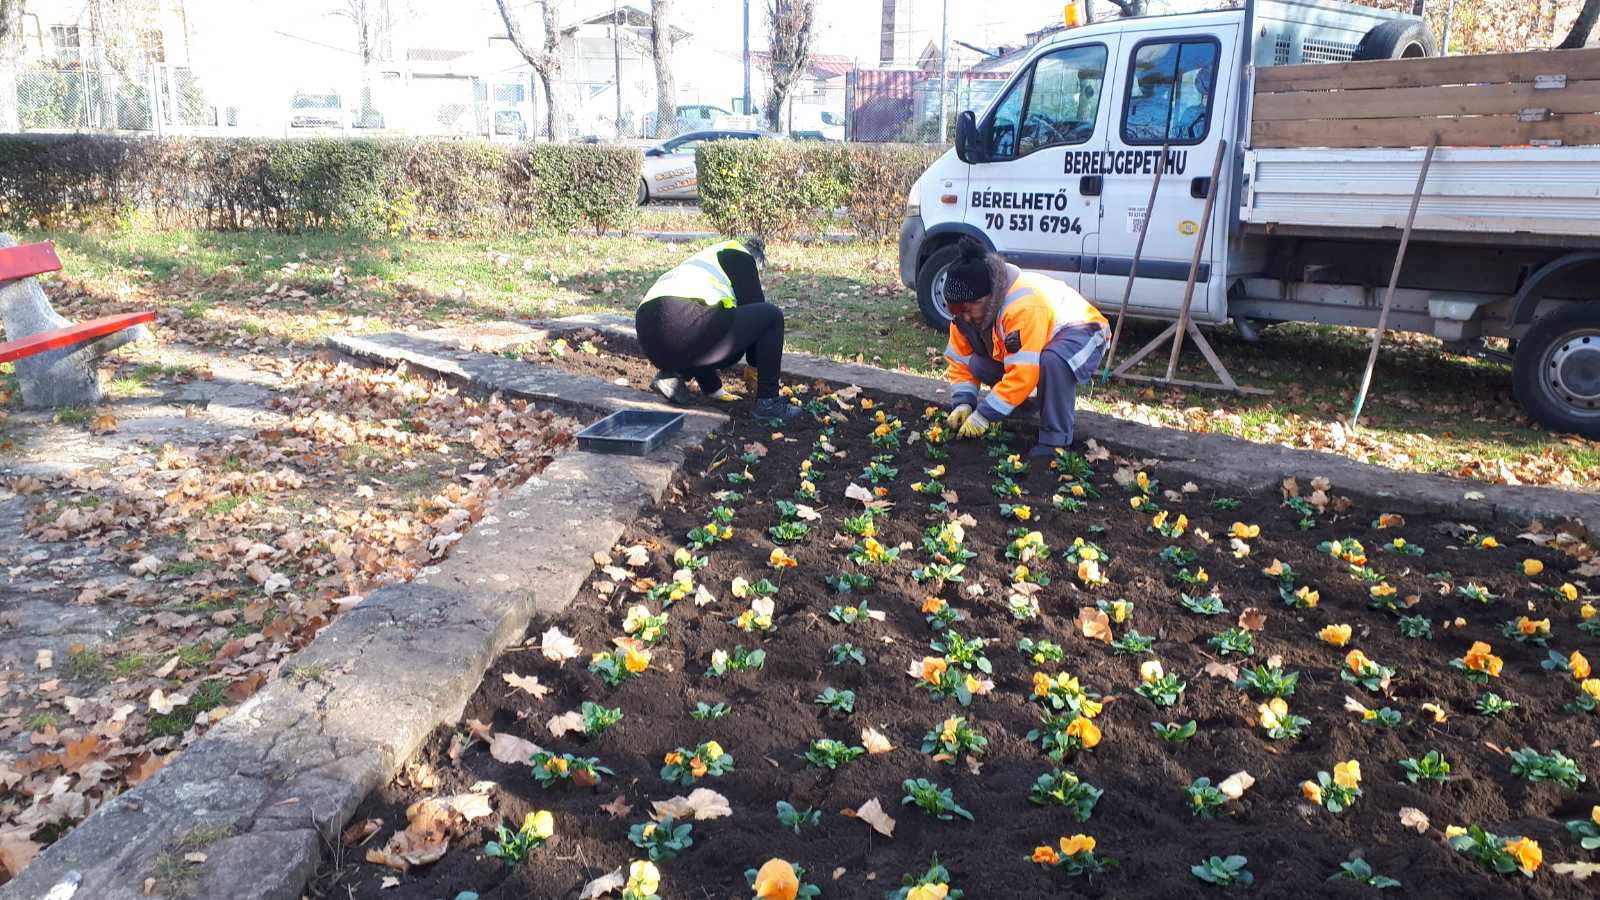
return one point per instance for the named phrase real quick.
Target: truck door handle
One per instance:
(1200, 187)
(1091, 185)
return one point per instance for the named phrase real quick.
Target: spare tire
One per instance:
(1397, 39)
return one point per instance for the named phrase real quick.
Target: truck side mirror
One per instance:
(969, 149)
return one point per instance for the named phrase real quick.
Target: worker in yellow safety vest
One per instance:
(706, 314)
(1016, 331)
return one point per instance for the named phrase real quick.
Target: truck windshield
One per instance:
(1055, 102)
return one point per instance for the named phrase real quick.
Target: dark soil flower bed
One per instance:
(1146, 817)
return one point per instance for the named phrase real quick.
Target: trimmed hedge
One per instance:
(783, 189)
(588, 183)
(369, 186)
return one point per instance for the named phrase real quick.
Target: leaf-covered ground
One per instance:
(164, 553)
(1429, 411)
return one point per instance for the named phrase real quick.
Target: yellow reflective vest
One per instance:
(698, 278)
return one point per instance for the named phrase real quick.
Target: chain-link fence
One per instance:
(887, 105)
(154, 99)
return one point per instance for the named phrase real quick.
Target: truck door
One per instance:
(1020, 197)
(1174, 89)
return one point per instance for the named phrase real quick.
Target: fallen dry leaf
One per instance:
(1094, 624)
(857, 492)
(163, 704)
(1252, 619)
(874, 741)
(871, 812)
(1414, 818)
(44, 659)
(471, 807)
(1222, 670)
(389, 881)
(637, 556)
(510, 749)
(105, 423)
(526, 683)
(480, 731)
(618, 807)
(1578, 870)
(557, 646)
(605, 884)
(1236, 784)
(702, 803)
(568, 721)
(361, 832)
(405, 849)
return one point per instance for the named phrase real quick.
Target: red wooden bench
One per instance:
(27, 260)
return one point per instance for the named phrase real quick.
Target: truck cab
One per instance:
(1056, 173)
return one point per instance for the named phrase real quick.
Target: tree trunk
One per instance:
(661, 51)
(789, 52)
(546, 60)
(552, 112)
(1583, 27)
(1129, 8)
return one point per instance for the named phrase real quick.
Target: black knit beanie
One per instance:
(967, 280)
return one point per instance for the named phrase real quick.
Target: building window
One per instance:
(64, 47)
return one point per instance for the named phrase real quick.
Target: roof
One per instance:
(631, 16)
(820, 65)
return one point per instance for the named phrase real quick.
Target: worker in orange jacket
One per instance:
(1016, 331)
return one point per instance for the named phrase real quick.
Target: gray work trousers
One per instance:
(1069, 360)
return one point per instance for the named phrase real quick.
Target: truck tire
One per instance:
(930, 287)
(1399, 39)
(644, 192)
(1556, 372)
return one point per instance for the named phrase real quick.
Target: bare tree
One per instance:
(546, 59)
(789, 53)
(10, 49)
(371, 21)
(1582, 27)
(1129, 8)
(661, 52)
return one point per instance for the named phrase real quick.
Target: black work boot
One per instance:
(671, 387)
(768, 408)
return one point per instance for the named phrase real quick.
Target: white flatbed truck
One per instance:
(1320, 162)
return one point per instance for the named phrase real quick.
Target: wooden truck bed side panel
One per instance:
(1467, 101)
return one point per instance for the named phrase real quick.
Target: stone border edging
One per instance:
(278, 778)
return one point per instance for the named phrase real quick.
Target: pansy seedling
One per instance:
(1060, 787)
(1077, 857)
(1500, 855)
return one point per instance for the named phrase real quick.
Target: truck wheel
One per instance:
(1399, 39)
(644, 192)
(1556, 372)
(930, 287)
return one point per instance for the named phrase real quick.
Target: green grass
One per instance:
(224, 505)
(129, 665)
(207, 696)
(41, 721)
(1428, 411)
(183, 568)
(73, 415)
(197, 654)
(86, 665)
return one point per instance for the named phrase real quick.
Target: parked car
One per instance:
(308, 109)
(691, 117)
(508, 126)
(669, 170)
(811, 124)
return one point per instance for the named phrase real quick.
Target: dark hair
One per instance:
(975, 275)
(757, 248)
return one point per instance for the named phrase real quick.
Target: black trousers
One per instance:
(692, 339)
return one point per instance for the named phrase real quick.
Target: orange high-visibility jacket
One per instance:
(1035, 310)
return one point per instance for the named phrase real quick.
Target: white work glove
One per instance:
(975, 426)
(959, 415)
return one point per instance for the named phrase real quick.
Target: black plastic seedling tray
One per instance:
(633, 432)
